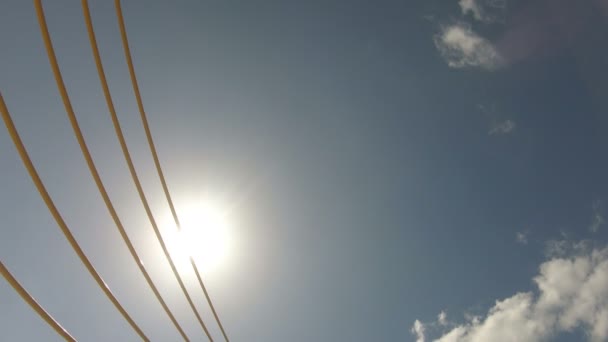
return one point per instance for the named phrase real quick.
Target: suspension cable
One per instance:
(144, 119)
(134, 176)
(100, 186)
(34, 305)
(27, 162)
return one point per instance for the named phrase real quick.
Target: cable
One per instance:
(34, 305)
(127, 50)
(103, 192)
(27, 162)
(129, 161)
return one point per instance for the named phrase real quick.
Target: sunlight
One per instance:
(205, 235)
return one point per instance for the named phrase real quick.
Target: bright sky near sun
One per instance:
(344, 170)
(206, 234)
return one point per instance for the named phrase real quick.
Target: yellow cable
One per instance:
(110, 207)
(8, 121)
(34, 305)
(127, 50)
(129, 161)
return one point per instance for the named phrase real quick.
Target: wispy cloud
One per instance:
(598, 217)
(556, 248)
(442, 318)
(484, 10)
(461, 47)
(522, 237)
(571, 293)
(498, 125)
(418, 331)
(535, 30)
(502, 127)
(471, 6)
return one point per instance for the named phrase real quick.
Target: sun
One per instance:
(205, 235)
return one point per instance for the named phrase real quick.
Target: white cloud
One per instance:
(484, 10)
(461, 47)
(572, 294)
(504, 127)
(522, 237)
(418, 331)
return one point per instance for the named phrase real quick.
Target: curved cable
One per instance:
(27, 162)
(34, 305)
(100, 186)
(127, 155)
(127, 50)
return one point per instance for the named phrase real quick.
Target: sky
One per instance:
(396, 170)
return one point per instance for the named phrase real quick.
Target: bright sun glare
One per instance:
(205, 235)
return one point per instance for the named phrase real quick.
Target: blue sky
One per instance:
(386, 162)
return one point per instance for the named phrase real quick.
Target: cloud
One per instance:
(461, 47)
(504, 127)
(442, 318)
(563, 248)
(418, 331)
(498, 125)
(598, 217)
(484, 10)
(471, 6)
(522, 237)
(598, 220)
(571, 294)
(535, 30)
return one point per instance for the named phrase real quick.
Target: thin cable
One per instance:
(127, 155)
(34, 305)
(27, 162)
(100, 186)
(127, 50)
